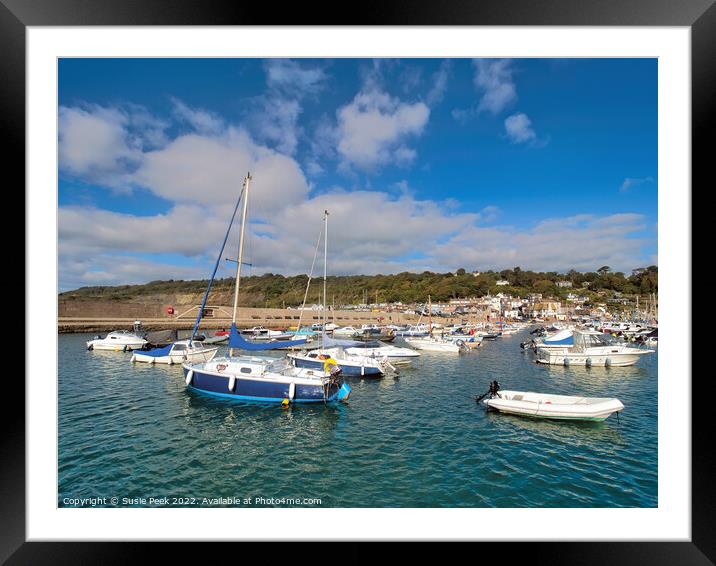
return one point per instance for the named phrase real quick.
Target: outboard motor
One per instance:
(492, 391)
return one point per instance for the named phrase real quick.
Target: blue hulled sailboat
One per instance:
(255, 378)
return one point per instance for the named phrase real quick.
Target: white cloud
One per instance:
(439, 86)
(121, 269)
(293, 79)
(104, 145)
(368, 231)
(278, 123)
(631, 182)
(185, 230)
(494, 79)
(94, 144)
(209, 170)
(519, 128)
(374, 125)
(200, 120)
(582, 242)
(275, 120)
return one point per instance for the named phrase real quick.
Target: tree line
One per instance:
(275, 290)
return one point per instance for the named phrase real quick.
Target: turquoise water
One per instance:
(419, 440)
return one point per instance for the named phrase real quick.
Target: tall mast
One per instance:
(247, 182)
(325, 269)
(430, 316)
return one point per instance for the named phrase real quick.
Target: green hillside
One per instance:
(271, 290)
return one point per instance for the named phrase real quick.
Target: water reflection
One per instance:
(415, 440)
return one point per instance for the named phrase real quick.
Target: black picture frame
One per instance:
(699, 15)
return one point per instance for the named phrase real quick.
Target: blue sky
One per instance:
(548, 164)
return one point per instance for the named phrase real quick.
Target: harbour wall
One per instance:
(104, 316)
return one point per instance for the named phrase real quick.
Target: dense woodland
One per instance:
(272, 290)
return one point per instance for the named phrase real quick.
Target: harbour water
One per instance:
(418, 440)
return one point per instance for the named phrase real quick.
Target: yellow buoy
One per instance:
(285, 403)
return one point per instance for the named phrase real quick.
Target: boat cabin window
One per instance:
(179, 347)
(596, 340)
(245, 370)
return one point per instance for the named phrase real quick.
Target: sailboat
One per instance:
(254, 378)
(332, 351)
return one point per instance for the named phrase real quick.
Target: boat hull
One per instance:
(431, 346)
(256, 389)
(115, 347)
(576, 359)
(596, 410)
(196, 357)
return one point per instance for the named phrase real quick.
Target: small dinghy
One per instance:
(550, 406)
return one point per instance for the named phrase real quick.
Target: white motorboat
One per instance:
(263, 333)
(549, 406)
(117, 341)
(434, 344)
(381, 350)
(346, 332)
(470, 340)
(414, 330)
(190, 351)
(590, 348)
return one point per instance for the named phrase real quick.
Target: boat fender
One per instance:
(125, 348)
(232, 383)
(133, 359)
(189, 377)
(608, 362)
(151, 360)
(588, 362)
(292, 391)
(566, 362)
(171, 361)
(90, 347)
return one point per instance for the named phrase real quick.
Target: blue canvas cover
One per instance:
(157, 352)
(238, 341)
(563, 338)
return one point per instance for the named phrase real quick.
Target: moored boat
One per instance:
(190, 351)
(349, 365)
(550, 406)
(259, 379)
(380, 350)
(117, 341)
(256, 379)
(434, 344)
(590, 348)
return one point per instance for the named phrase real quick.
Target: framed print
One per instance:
(389, 279)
